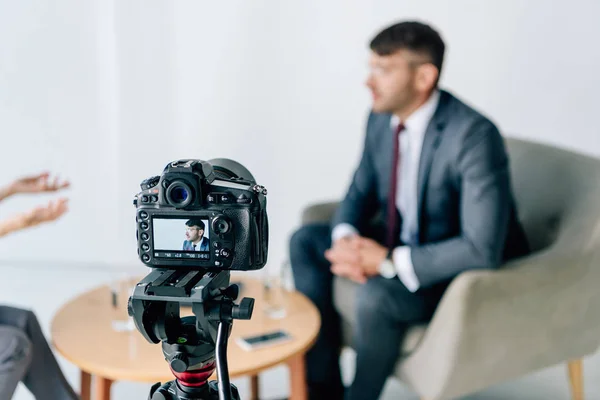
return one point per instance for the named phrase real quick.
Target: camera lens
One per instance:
(179, 194)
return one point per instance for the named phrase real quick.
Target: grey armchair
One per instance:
(535, 312)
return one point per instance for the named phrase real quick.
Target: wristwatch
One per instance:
(387, 269)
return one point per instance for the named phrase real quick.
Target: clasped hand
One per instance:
(356, 257)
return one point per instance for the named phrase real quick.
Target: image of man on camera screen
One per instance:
(194, 234)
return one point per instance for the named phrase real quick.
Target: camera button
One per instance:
(216, 245)
(243, 199)
(225, 253)
(145, 246)
(220, 226)
(225, 198)
(144, 225)
(145, 199)
(143, 215)
(146, 257)
(144, 236)
(211, 198)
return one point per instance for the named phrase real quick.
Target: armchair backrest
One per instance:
(557, 193)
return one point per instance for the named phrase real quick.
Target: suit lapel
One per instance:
(431, 140)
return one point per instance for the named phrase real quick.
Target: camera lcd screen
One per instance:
(176, 237)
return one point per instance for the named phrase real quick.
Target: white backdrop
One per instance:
(106, 92)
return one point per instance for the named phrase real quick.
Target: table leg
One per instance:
(103, 388)
(298, 389)
(86, 385)
(254, 387)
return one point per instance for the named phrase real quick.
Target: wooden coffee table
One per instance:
(82, 333)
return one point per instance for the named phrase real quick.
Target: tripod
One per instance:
(193, 346)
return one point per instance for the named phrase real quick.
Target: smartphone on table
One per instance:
(263, 340)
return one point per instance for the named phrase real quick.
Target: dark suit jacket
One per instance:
(466, 210)
(204, 245)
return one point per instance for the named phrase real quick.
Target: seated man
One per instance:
(437, 172)
(24, 352)
(194, 233)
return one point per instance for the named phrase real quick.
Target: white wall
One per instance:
(106, 92)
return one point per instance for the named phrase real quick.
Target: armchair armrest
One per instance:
(494, 325)
(319, 212)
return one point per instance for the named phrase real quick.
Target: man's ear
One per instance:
(426, 77)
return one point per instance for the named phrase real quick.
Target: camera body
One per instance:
(202, 215)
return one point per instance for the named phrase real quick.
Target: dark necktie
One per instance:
(194, 246)
(392, 210)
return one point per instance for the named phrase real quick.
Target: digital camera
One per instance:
(202, 214)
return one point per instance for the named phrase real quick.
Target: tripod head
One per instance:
(194, 345)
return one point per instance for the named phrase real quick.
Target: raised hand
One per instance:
(37, 184)
(50, 212)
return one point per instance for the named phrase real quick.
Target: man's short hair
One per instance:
(411, 35)
(195, 222)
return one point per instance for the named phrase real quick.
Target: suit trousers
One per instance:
(385, 309)
(25, 356)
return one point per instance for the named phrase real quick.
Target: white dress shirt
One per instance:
(411, 142)
(198, 245)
